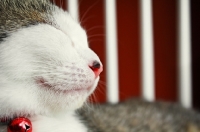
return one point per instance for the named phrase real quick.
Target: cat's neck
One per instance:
(67, 122)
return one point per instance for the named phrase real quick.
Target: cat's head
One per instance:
(45, 66)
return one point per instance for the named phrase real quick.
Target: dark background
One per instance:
(195, 18)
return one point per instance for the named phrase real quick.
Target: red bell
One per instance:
(20, 124)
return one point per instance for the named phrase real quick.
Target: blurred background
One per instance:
(165, 34)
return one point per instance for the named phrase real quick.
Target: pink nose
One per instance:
(97, 68)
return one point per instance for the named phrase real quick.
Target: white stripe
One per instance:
(73, 9)
(111, 52)
(147, 50)
(185, 88)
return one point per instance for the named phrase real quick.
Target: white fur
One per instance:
(58, 123)
(33, 59)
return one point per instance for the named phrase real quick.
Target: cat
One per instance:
(47, 70)
(47, 73)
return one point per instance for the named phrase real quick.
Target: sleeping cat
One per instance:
(47, 69)
(47, 72)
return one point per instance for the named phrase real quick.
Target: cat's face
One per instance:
(46, 68)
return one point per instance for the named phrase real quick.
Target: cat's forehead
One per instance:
(69, 26)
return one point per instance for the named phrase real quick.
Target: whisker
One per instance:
(96, 40)
(102, 83)
(95, 27)
(96, 35)
(101, 87)
(94, 97)
(86, 12)
(87, 19)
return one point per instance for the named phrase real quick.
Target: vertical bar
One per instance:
(111, 52)
(185, 88)
(147, 50)
(73, 9)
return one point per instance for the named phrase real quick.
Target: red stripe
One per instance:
(128, 48)
(165, 48)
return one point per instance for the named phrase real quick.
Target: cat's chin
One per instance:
(63, 89)
(64, 100)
